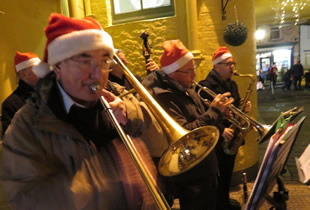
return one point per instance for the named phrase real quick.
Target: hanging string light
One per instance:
(285, 9)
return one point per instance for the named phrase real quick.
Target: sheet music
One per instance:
(274, 159)
(303, 166)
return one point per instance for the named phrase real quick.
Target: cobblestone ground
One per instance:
(299, 196)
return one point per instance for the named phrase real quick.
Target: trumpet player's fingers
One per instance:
(228, 134)
(117, 106)
(221, 101)
(227, 112)
(228, 102)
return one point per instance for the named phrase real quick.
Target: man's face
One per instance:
(225, 68)
(77, 73)
(122, 57)
(185, 75)
(28, 76)
(115, 67)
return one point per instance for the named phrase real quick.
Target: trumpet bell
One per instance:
(188, 151)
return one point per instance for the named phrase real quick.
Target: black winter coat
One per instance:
(214, 82)
(189, 111)
(14, 102)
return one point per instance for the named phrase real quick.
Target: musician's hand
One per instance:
(228, 134)
(222, 101)
(117, 106)
(248, 107)
(151, 65)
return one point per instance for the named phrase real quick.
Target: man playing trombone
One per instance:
(171, 87)
(59, 151)
(219, 81)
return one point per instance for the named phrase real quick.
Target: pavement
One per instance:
(270, 104)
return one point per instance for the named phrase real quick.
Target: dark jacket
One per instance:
(49, 162)
(14, 102)
(214, 82)
(188, 110)
(297, 70)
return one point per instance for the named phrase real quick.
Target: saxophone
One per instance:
(231, 147)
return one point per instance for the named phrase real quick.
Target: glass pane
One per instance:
(124, 6)
(155, 3)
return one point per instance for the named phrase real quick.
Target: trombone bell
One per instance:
(187, 148)
(188, 151)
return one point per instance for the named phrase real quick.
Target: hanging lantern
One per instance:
(235, 34)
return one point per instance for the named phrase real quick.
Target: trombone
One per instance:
(144, 172)
(186, 148)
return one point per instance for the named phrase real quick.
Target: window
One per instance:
(131, 10)
(275, 34)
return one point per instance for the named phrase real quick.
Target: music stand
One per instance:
(272, 128)
(274, 160)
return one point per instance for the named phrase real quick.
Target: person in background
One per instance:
(61, 150)
(29, 69)
(287, 78)
(297, 73)
(307, 78)
(117, 74)
(219, 81)
(272, 72)
(260, 81)
(171, 88)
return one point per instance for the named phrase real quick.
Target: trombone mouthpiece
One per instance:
(94, 87)
(236, 73)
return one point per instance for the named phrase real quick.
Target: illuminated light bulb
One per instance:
(260, 34)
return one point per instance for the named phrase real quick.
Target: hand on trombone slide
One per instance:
(116, 104)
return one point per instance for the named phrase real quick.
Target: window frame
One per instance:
(144, 14)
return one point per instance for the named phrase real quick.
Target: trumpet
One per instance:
(242, 124)
(240, 119)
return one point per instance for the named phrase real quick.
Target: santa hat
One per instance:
(175, 56)
(67, 37)
(28, 59)
(221, 54)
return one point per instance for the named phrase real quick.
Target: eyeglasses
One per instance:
(229, 63)
(192, 70)
(90, 63)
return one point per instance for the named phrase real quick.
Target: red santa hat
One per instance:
(28, 59)
(67, 37)
(175, 56)
(221, 54)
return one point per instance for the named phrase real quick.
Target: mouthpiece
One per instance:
(94, 87)
(236, 73)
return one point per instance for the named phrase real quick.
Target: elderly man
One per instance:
(219, 81)
(171, 87)
(29, 69)
(60, 151)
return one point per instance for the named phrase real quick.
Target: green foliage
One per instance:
(235, 34)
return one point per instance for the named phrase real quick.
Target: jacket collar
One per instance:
(51, 116)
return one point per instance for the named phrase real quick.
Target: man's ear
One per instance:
(20, 74)
(57, 69)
